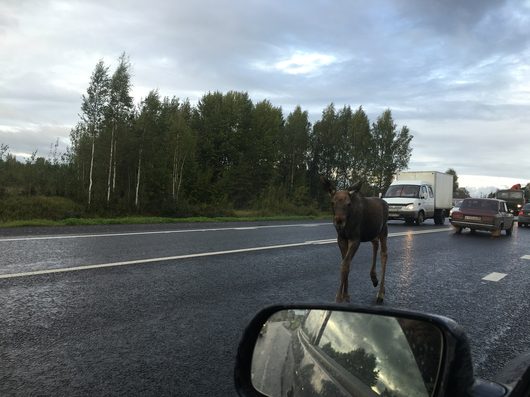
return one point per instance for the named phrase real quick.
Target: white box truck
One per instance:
(418, 195)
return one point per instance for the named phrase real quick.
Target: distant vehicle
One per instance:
(483, 214)
(416, 196)
(523, 218)
(514, 198)
(456, 205)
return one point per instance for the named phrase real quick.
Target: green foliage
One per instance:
(227, 153)
(357, 362)
(38, 207)
(293, 151)
(462, 192)
(276, 201)
(451, 171)
(389, 150)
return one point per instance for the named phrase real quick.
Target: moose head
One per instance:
(345, 204)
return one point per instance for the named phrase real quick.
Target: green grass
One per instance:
(130, 220)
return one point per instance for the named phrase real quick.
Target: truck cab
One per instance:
(410, 200)
(515, 199)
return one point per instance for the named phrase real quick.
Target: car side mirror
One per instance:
(336, 350)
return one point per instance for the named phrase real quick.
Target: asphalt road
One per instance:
(159, 309)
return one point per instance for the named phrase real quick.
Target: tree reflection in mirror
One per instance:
(336, 353)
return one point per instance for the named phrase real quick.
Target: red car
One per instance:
(483, 214)
(523, 218)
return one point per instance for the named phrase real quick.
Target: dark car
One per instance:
(483, 214)
(523, 218)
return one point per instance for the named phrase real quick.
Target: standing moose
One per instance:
(358, 219)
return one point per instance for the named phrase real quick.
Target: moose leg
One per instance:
(342, 294)
(343, 245)
(373, 274)
(384, 257)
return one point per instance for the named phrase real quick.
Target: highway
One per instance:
(159, 309)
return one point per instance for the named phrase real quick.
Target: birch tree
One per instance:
(93, 109)
(183, 142)
(359, 141)
(324, 145)
(149, 114)
(295, 145)
(120, 107)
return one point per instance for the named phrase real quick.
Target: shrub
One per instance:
(38, 207)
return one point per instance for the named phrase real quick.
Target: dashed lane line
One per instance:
(499, 276)
(190, 256)
(494, 276)
(397, 234)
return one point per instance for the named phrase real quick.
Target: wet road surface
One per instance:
(158, 309)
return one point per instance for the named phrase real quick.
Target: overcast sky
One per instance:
(457, 73)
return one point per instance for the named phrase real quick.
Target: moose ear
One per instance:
(355, 188)
(327, 185)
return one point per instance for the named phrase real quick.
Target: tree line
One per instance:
(165, 156)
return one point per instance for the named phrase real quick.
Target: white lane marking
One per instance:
(397, 234)
(525, 257)
(319, 242)
(494, 276)
(148, 260)
(176, 257)
(156, 232)
(419, 232)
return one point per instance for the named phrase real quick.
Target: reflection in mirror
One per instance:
(335, 353)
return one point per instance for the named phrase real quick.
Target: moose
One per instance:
(358, 219)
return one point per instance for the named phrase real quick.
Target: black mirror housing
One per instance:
(455, 377)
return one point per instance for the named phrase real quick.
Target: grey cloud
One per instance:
(430, 62)
(27, 140)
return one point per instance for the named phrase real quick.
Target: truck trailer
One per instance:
(415, 196)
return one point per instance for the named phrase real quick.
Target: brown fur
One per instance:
(358, 219)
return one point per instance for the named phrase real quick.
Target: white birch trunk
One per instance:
(109, 178)
(292, 173)
(114, 168)
(91, 169)
(180, 178)
(174, 175)
(136, 200)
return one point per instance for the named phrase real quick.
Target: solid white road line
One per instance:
(2, 240)
(188, 256)
(525, 257)
(157, 232)
(148, 260)
(419, 232)
(494, 276)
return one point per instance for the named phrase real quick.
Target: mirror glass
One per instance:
(336, 353)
